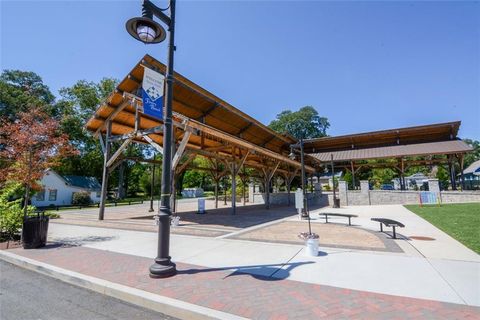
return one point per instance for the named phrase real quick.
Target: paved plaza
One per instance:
(256, 268)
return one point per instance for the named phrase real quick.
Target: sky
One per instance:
(364, 65)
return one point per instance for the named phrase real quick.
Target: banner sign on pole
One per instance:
(299, 199)
(152, 93)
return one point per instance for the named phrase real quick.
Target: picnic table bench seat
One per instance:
(346, 215)
(389, 223)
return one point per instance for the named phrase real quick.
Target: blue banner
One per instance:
(427, 197)
(152, 93)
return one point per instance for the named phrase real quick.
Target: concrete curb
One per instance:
(169, 306)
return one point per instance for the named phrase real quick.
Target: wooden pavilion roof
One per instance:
(219, 129)
(426, 140)
(384, 138)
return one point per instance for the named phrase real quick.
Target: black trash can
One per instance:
(34, 231)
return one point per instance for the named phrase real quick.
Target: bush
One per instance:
(11, 213)
(81, 198)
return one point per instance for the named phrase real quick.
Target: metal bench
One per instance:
(346, 215)
(389, 223)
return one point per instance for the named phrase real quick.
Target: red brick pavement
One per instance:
(246, 295)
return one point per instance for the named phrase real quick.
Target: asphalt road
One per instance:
(29, 295)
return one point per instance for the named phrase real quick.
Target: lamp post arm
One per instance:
(149, 9)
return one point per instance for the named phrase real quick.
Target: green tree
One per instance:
(304, 123)
(11, 210)
(382, 176)
(197, 178)
(20, 90)
(78, 103)
(474, 155)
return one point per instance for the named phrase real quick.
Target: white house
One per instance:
(58, 190)
(472, 176)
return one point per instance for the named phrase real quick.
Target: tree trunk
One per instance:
(27, 192)
(121, 182)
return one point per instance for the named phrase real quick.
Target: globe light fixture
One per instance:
(146, 30)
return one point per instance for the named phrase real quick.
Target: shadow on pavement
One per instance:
(75, 241)
(266, 272)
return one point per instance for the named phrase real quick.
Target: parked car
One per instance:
(387, 187)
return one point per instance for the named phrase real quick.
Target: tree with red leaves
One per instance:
(29, 146)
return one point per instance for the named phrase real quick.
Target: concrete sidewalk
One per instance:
(222, 277)
(217, 293)
(442, 246)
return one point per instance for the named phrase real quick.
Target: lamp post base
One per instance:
(163, 268)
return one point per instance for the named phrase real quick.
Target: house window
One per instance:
(40, 196)
(98, 194)
(52, 195)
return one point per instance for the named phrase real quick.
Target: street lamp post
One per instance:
(305, 212)
(146, 30)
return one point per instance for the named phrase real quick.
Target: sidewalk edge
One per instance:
(169, 306)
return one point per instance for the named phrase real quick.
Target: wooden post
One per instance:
(233, 170)
(216, 194)
(268, 173)
(402, 175)
(224, 191)
(288, 182)
(451, 165)
(462, 177)
(106, 155)
(353, 175)
(244, 179)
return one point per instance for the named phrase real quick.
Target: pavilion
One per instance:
(400, 149)
(207, 126)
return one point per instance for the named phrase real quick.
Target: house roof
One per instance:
(473, 168)
(90, 183)
(328, 175)
(417, 175)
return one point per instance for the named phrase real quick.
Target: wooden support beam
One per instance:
(118, 152)
(268, 173)
(239, 133)
(246, 145)
(106, 155)
(289, 176)
(207, 112)
(112, 115)
(183, 166)
(353, 174)
(135, 79)
(153, 144)
(102, 143)
(180, 149)
(267, 141)
(460, 158)
(217, 148)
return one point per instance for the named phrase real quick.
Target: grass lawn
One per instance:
(461, 221)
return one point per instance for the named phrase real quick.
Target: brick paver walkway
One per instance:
(331, 235)
(215, 223)
(247, 295)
